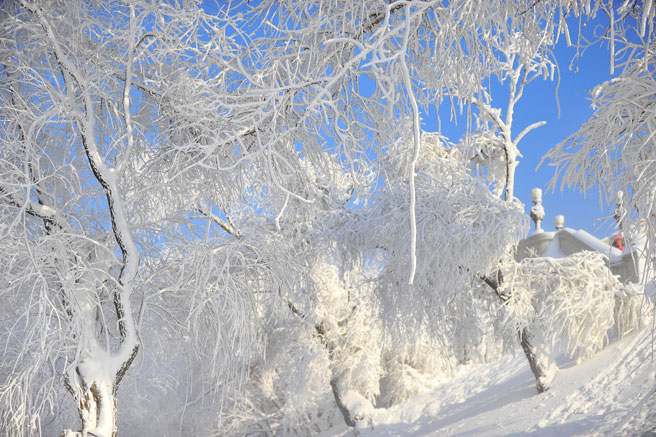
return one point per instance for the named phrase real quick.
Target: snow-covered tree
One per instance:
(614, 150)
(167, 172)
(317, 355)
(463, 232)
(124, 126)
(574, 303)
(520, 50)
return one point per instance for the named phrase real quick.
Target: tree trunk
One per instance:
(539, 359)
(96, 406)
(540, 362)
(321, 332)
(340, 404)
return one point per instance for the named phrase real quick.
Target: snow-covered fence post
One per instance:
(559, 221)
(537, 211)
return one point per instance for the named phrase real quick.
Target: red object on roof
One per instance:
(618, 242)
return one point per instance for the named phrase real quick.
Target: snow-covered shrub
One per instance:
(631, 308)
(289, 388)
(575, 300)
(352, 329)
(484, 340)
(417, 359)
(413, 364)
(332, 340)
(462, 230)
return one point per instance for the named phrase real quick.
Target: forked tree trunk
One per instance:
(94, 379)
(93, 384)
(96, 405)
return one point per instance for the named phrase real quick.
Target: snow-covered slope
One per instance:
(611, 394)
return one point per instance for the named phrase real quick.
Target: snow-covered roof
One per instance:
(567, 241)
(594, 243)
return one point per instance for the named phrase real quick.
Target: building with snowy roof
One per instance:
(627, 263)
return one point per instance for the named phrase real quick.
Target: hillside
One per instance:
(610, 394)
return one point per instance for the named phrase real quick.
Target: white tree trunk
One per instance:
(96, 405)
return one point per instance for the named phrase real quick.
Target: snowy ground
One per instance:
(608, 395)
